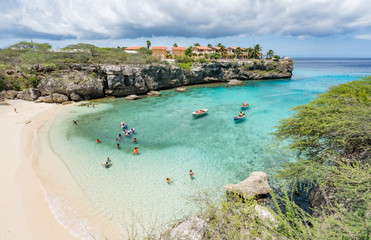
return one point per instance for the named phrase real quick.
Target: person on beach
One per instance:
(15, 110)
(134, 140)
(98, 141)
(74, 122)
(191, 174)
(118, 146)
(135, 150)
(169, 180)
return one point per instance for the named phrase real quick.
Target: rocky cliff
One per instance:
(84, 81)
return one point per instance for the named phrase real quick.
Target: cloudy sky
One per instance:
(296, 28)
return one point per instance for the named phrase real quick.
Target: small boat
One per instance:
(200, 112)
(244, 106)
(239, 117)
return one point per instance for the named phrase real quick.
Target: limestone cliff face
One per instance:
(94, 81)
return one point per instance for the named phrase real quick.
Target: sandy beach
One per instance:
(25, 213)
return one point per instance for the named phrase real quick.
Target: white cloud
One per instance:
(114, 19)
(363, 36)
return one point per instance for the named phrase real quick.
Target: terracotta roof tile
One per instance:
(178, 48)
(202, 48)
(159, 48)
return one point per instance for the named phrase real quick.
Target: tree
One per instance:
(148, 44)
(270, 53)
(219, 45)
(210, 45)
(175, 45)
(196, 44)
(188, 51)
(223, 51)
(256, 51)
(238, 52)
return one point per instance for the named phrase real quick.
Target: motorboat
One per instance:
(200, 112)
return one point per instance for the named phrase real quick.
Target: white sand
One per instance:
(24, 212)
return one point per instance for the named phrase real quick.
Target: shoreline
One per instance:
(25, 211)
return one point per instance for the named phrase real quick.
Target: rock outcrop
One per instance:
(191, 228)
(256, 184)
(88, 81)
(31, 94)
(132, 97)
(10, 94)
(153, 93)
(235, 82)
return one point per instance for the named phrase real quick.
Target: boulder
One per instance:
(9, 94)
(75, 96)
(29, 94)
(256, 184)
(191, 228)
(44, 99)
(131, 97)
(59, 98)
(181, 89)
(153, 93)
(235, 82)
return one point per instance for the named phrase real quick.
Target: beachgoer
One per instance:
(108, 159)
(118, 145)
(87, 104)
(127, 134)
(117, 139)
(98, 141)
(241, 114)
(120, 136)
(74, 121)
(169, 180)
(245, 103)
(15, 110)
(135, 150)
(132, 130)
(191, 173)
(93, 105)
(106, 164)
(135, 140)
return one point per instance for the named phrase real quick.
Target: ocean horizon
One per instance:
(132, 195)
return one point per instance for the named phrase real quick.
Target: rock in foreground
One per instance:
(256, 184)
(191, 228)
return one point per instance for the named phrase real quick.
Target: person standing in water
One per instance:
(191, 173)
(169, 180)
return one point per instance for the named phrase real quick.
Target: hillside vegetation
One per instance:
(331, 136)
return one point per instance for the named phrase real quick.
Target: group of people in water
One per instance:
(126, 133)
(170, 180)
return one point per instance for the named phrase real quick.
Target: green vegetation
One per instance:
(21, 63)
(331, 136)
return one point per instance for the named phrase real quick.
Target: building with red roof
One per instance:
(178, 51)
(159, 51)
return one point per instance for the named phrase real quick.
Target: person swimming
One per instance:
(120, 136)
(169, 180)
(127, 134)
(134, 140)
(98, 141)
(74, 121)
(118, 145)
(132, 130)
(135, 150)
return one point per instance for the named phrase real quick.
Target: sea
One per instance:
(131, 199)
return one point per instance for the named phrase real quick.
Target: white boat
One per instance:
(200, 112)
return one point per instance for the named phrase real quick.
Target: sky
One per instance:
(294, 28)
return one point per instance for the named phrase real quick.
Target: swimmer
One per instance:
(74, 121)
(118, 145)
(135, 150)
(120, 136)
(117, 139)
(191, 174)
(127, 134)
(106, 165)
(134, 140)
(93, 105)
(108, 159)
(98, 141)
(169, 180)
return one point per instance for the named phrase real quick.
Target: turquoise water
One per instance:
(220, 151)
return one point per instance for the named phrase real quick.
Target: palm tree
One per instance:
(238, 52)
(210, 45)
(270, 53)
(148, 44)
(175, 45)
(256, 51)
(219, 45)
(196, 44)
(223, 50)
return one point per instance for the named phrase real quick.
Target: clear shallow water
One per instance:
(171, 142)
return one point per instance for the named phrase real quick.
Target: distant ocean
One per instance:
(132, 195)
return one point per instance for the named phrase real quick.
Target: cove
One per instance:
(133, 191)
